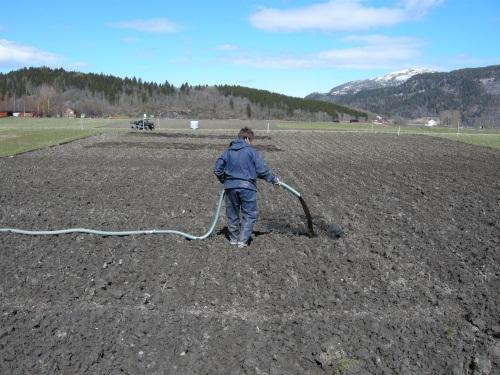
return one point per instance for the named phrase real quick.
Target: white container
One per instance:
(193, 125)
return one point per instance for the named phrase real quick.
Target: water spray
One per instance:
(304, 207)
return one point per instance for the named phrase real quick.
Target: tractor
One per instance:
(144, 124)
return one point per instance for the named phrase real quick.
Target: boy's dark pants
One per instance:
(244, 200)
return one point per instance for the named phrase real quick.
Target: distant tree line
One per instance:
(25, 82)
(51, 91)
(288, 103)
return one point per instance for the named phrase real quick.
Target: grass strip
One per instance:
(470, 136)
(485, 140)
(29, 140)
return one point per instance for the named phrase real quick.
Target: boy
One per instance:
(238, 168)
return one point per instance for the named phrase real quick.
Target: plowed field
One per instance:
(411, 287)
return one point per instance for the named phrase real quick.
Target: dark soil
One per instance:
(229, 137)
(176, 146)
(411, 287)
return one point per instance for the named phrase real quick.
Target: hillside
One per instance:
(51, 92)
(387, 80)
(471, 95)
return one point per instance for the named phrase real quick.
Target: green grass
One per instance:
(25, 134)
(486, 138)
(449, 332)
(344, 364)
(36, 139)
(334, 126)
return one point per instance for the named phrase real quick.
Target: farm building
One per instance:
(19, 114)
(27, 114)
(69, 112)
(431, 123)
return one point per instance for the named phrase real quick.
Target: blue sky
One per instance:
(293, 47)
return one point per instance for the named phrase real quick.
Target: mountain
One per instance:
(390, 79)
(471, 95)
(51, 92)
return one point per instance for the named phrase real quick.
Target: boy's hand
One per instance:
(276, 181)
(220, 178)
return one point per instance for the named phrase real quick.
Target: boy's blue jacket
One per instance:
(240, 165)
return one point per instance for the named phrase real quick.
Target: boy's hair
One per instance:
(246, 132)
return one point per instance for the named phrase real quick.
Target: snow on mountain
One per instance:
(401, 75)
(390, 79)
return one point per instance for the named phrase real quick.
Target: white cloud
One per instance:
(376, 52)
(154, 25)
(272, 62)
(338, 15)
(369, 52)
(13, 54)
(227, 47)
(418, 8)
(130, 40)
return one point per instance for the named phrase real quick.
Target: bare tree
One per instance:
(450, 118)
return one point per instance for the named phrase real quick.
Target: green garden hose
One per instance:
(304, 207)
(290, 189)
(152, 231)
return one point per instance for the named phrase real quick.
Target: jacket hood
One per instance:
(238, 144)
